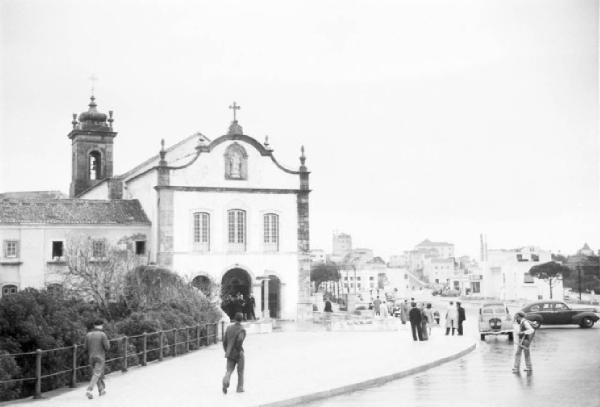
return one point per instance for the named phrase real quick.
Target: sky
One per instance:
(421, 119)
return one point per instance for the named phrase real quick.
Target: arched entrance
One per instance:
(274, 297)
(203, 284)
(236, 281)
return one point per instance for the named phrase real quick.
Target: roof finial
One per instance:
(302, 156)
(266, 143)
(110, 118)
(93, 78)
(74, 122)
(162, 153)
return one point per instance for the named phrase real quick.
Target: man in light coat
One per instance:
(451, 318)
(233, 341)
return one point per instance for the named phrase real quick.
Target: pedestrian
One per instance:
(376, 305)
(250, 304)
(461, 317)
(415, 318)
(430, 318)
(383, 310)
(238, 305)
(96, 344)
(451, 317)
(526, 333)
(424, 322)
(328, 307)
(404, 311)
(436, 316)
(233, 342)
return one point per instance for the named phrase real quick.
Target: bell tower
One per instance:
(92, 148)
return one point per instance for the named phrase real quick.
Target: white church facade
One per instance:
(223, 211)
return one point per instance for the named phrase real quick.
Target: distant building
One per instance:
(444, 250)
(506, 275)
(585, 251)
(318, 256)
(342, 245)
(440, 271)
(398, 260)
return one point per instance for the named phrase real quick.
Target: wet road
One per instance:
(566, 362)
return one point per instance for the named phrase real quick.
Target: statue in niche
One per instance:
(235, 165)
(236, 162)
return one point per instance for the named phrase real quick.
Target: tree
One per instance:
(95, 268)
(323, 272)
(551, 272)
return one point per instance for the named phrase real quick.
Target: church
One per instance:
(222, 211)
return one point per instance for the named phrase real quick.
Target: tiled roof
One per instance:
(72, 211)
(33, 195)
(428, 242)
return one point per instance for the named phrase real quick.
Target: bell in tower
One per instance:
(92, 145)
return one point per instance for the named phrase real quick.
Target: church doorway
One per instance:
(236, 281)
(274, 297)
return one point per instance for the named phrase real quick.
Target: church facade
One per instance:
(222, 211)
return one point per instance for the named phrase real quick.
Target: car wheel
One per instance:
(536, 324)
(586, 322)
(510, 337)
(482, 337)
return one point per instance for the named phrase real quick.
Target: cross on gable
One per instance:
(234, 107)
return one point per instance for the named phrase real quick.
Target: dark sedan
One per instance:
(551, 312)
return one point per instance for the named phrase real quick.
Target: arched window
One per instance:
(236, 162)
(271, 231)
(9, 289)
(95, 165)
(236, 222)
(201, 231)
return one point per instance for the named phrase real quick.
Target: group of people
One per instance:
(455, 316)
(231, 305)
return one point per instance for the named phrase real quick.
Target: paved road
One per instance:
(566, 363)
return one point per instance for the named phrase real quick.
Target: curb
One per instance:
(378, 381)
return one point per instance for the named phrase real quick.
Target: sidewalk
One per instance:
(283, 368)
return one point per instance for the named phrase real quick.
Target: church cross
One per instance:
(234, 107)
(93, 78)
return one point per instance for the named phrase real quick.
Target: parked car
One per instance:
(552, 312)
(495, 319)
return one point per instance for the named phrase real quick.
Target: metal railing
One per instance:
(174, 341)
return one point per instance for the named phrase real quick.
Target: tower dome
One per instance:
(92, 118)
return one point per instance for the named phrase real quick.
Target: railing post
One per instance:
(174, 342)
(187, 339)
(125, 346)
(145, 347)
(74, 373)
(222, 331)
(161, 340)
(216, 326)
(38, 374)
(198, 335)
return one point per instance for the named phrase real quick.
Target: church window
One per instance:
(9, 289)
(271, 231)
(237, 229)
(201, 231)
(140, 247)
(236, 162)
(95, 167)
(98, 249)
(11, 248)
(57, 249)
(528, 278)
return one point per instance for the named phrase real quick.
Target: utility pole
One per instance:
(579, 280)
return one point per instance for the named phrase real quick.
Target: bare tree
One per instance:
(95, 268)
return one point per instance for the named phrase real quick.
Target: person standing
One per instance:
(96, 344)
(461, 317)
(383, 309)
(404, 311)
(328, 307)
(430, 318)
(415, 317)
(250, 304)
(376, 305)
(233, 342)
(451, 317)
(424, 322)
(526, 333)
(238, 305)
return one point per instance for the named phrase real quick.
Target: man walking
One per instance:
(526, 333)
(415, 317)
(233, 341)
(404, 311)
(96, 344)
(376, 305)
(461, 317)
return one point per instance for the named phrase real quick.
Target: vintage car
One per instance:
(495, 319)
(552, 312)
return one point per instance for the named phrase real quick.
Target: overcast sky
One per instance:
(421, 119)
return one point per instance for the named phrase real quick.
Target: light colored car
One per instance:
(495, 319)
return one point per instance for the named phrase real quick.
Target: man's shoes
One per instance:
(224, 390)
(101, 392)
(89, 394)
(240, 390)
(528, 369)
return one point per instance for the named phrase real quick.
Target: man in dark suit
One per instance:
(461, 317)
(415, 317)
(233, 341)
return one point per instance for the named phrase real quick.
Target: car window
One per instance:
(547, 307)
(535, 307)
(488, 310)
(560, 306)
